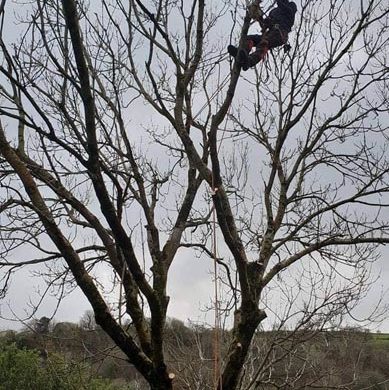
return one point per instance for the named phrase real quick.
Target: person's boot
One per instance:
(243, 59)
(232, 50)
(253, 60)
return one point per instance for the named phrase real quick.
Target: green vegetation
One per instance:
(67, 356)
(22, 369)
(381, 338)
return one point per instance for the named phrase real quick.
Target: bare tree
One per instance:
(298, 184)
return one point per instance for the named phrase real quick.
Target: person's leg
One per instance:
(252, 41)
(243, 55)
(261, 48)
(273, 38)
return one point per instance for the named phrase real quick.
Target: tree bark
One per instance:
(247, 320)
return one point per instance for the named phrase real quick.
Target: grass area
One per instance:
(380, 338)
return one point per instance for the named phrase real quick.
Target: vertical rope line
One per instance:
(142, 244)
(217, 351)
(217, 323)
(216, 291)
(121, 295)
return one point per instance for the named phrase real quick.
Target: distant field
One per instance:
(381, 338)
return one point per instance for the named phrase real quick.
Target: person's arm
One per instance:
(266, 23)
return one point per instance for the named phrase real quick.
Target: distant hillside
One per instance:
(345, 359)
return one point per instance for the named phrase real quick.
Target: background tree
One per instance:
(298, 184)
(23, 369)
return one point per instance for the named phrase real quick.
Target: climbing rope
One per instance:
(216, 341)
(215, 93)
(218, 382)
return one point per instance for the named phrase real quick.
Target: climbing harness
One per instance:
(272, 36)
(283, 34)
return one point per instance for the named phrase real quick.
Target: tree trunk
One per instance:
(160, 380)
(161, 386)
(247, 321)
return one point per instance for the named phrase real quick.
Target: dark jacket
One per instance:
(283, 15)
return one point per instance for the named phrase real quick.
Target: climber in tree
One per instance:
(275, 30)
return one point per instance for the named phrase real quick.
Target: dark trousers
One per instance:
(263, 43)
